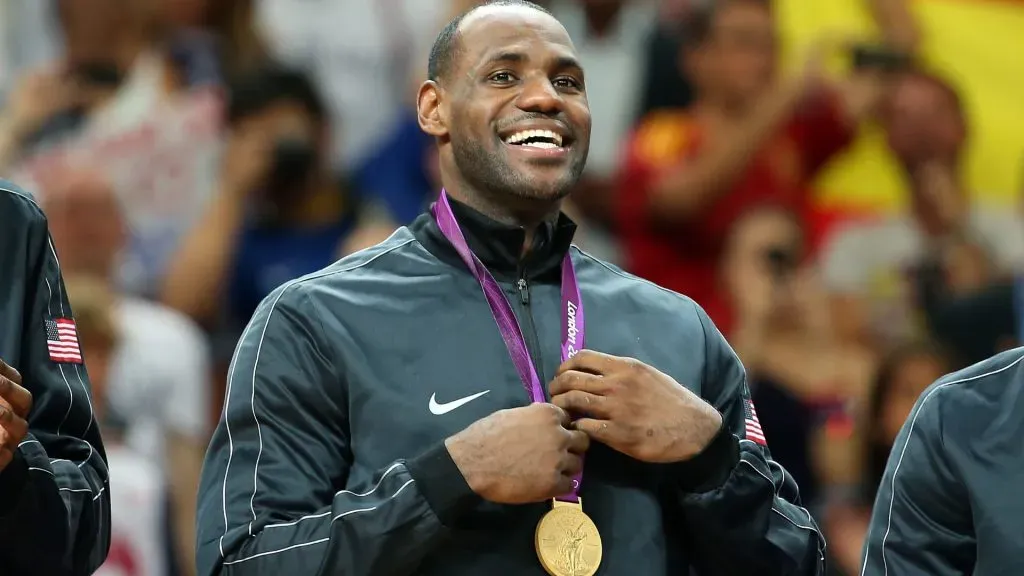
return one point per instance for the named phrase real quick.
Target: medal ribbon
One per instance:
(505, 318)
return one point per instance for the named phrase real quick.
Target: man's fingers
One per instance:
(599, 430)
(563, 417)
(582, 403)
(577, 380)
(8, 371)
(579, 442)
(590, 361)
(571, 465)
(19, 398)
(15, 427)
(8, 444)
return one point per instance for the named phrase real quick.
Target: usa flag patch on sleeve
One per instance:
(751, 424)
(62, 341)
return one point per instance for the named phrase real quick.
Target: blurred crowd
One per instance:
(193, 155)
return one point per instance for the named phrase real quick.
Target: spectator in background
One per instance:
(28, 39)
(977, 324)
(902, 376)
(801, 378)
(872, 268)
(210, 41)
(119, 101)
(362, 55)
(750, 137)
(137, 487)
(280, 213)
(665, 84)
(401, 178)
(610, 37)
(157, 375)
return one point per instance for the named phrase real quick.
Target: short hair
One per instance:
(446, 46)
(269, 84)
(699, 25)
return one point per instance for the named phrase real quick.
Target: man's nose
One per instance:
(539, 95)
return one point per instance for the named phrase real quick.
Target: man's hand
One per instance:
(15, 403)
(38, 96)
(520, 455)
(633, 408)
(247, 161)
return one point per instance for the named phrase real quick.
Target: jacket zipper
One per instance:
(529, 329)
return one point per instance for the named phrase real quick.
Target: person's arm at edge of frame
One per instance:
(54, 509)
(740, 507)
(294, 520)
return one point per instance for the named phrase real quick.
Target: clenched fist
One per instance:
(15, 403)
(520, 455)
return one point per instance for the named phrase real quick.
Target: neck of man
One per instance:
(526, 213)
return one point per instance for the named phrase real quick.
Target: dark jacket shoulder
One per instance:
(622, 288)
(17, 204)
(963, 406)
(357, 272)
(989, 380)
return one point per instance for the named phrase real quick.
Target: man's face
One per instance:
(185, 12)
(738, 61)
(85, 222)
(923, 122)
(88, 27)
(296, 145)
(762, 256)
(514, 107)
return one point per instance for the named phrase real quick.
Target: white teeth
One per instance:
(542, 138)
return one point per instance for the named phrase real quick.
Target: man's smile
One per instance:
(538, 139)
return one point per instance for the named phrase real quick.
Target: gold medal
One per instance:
(567, 541)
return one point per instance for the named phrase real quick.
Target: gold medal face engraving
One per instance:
(567, 541)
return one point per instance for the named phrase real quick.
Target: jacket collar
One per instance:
(499, 245)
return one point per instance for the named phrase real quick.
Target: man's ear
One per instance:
(429, 110)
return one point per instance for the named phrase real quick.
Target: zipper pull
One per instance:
(524, 291)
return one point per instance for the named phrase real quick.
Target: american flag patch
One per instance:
(62, 341)
(752, 424)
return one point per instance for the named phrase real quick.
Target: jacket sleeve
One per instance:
(741, 508)
(921, 523)
(278, 494)
(54, 509)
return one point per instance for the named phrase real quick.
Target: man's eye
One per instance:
(567, 82)
(502, 77)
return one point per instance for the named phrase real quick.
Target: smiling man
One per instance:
(424, 407)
